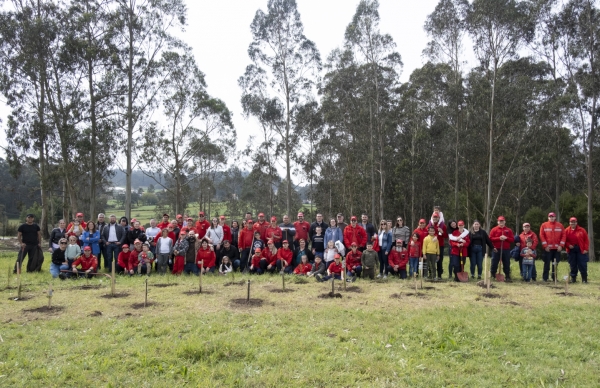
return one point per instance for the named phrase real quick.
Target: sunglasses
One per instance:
(63, 243)
(353, 220)
(399, 219)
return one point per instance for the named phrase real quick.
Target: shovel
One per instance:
(462, 275)
(500, 275)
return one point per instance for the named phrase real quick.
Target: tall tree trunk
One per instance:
(488, 216)
(128, 168)
(372, 160)
(590, 181)
(93, 171)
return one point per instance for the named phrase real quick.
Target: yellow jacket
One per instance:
(431, 246)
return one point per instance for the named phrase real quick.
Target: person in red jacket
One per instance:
(353, 263)
(123, 259)
(188, 227)
(525, 234)
(304, 267)
(206, 258)
(458, 248)
(165, 222)
(421, 230)
(302, 229)
(284, 258)
(501, 237)
(261, 226)
(441, 234)
(226, 229)
(397, 260)
(201, 226)
(274, 232)
(88, 263)
(414, 253)
(270, 256)
(82, 223)
(134, 257)
(255, 262)
(578, 244)
(552, 235)
(245, 242)
(334, 270)
(355, 233)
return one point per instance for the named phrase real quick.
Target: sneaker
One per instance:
(584, 281)
(379, 276)
(319, 277)
(385, 276)
(478, 277)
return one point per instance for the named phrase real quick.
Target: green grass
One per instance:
(453, 337)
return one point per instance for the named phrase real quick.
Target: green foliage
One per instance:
(35, 209)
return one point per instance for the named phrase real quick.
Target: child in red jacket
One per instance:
(255, 262)
(335, 270)
(304, 267)
(414, 254)
(123, 259)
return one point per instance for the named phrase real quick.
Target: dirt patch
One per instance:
(281, 290)
(331, 335)
(483, 285)
(246, 303)
(8, 288)
(22, 298)
(95, 314)
(240, 283)
(490, 295)
(431, 288)
(330, 295)
(418, 295)
(355, 289)
(512, 303)
(566, 294)
(195, 292)
(45, 310)
(116, 295)
(137, 306)
(162, 285)
(87, 287)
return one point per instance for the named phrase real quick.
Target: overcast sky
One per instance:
(219, 32)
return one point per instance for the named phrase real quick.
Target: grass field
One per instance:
(378, 334)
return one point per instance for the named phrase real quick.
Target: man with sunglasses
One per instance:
(552, 235)
(59, 261)
(578, 245)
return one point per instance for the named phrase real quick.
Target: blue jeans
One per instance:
(111, 252)
(476, 259)
(190, 267)
(578, 262)
(527, 271)
(336, 277)
(55, 269)
(413, 263)
(357, 272)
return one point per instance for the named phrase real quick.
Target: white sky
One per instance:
(219, 32)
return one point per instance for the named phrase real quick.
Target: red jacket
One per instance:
(353, 259)
(552, 235)
(414, 249)
(335, 268)
(256, 261)
(207, 256)
(274, 233)
(534, 239)
(495, 234)
(440, 232)
(398, 258)
(163, 225)
(580, 235)
(271, 257)
(261, 228)
(186, 229)
(245, 238)
(375, 242)
(302, 269)
(422, 234)
(226, 232)
(302, 229)
(356, 234)
(123, 259)
(86, 263)
(285, 254)
(201, 228)
(133, 259)
(455, 250)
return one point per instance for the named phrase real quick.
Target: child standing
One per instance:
(318, 242)
(528, 255)
(414, 253)
(73, 250)
(431, 250)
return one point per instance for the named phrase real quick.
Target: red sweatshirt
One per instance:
(285, 254)
(414, 249)
(256, 261)
(302, 229)
(455, 250)
(274, 233)
(353, 260)
(86, 263)
(398, 258)
(207, 256)
(123, 259)
(356, 234)
(271, 257)
(226, 232)
(422, 232)
(578, 236)
(201, 228)
(302, 269)
(133, 259)
(245, 238)
(495, 234)
(335, 268)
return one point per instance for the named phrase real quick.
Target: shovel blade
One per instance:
(463, 277)
(499, 277)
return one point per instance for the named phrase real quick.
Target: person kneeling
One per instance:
(304, 267)
(206, 258)
(353, 264)
(318, 269)
(225, 266)
(335, 269)
(284, 258)
(255, 263)
(88, 263)
(397, 260)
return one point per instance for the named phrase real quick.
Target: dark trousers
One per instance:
(548, 258)
(440, 263)
(100, 255)
(357, 271)
(455, 265)
(476, 259)
(244, 259)
(401, 272)
(30, 250)
(190, 268)
(368, 273)
(289, 269)
(578, 262)
(383, 261)
(111, 252)
(496, 256)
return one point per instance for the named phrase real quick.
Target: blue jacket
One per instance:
(333, 234)
(515, 253)
(386, 241)
(92, 240)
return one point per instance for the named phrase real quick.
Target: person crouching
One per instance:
(88, 263)
(304, 267)
(335, 269)
(397, 260)
(255, 266)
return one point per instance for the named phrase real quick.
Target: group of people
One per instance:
(320, 249)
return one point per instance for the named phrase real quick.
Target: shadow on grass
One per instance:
(196, 292)
(242, 302)
(137, 306)
(45, 310)
(116, 295)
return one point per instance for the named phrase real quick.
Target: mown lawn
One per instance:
(450, 335)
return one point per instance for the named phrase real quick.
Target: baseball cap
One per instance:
(353, 218)
(88, 248)
(137, 240)
(201, 214)
(461, 223)
(551, 214)
(257, 250)
(436, 214)
(501, 218)
(285, 242)
(250, 221)
(572, 219)
(30, 215)
(273, 218)
(526, 224)
(79, 215)
(354, 244)
(337, 256)
(261, 214)
(178, 216)
(422, 221)
(124, 246)
(222, 217)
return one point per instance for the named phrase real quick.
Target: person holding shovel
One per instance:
(552, 235)
(458, 248)
(578, 245)
(501, 237)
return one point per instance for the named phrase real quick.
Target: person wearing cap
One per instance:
(255, 266)
(354, 233)
(206, 259)
(261, 226)
(501, 237)
(88, 263)
(441, 234)
(422, 230)
(333, 233)
(78, 217)
(288, 231)
(340, 221)
(479, 239)
(30, 239)
(123, 260)
(145, 260)
(180, 221)
(59, 260)
(369, 261)
(134, 257)
(578, 244)
(334, 271)
(302, 228)
(383, 239)
(274, 232)
(353, 262)
(189, 226)
(397, 260)
(313, 227)
(285, 258)
(459, 244)
(165, 221)
(552, 235)
(226, 228)
(527, 233)
(75, 229)
(174, 227)
(245, 242)
(202, 225)
(303, 268)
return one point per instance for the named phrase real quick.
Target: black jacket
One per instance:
(233, 253)
(120, 232)
(56, 235)
(58, 256)
(313, 229)
(136, 234)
